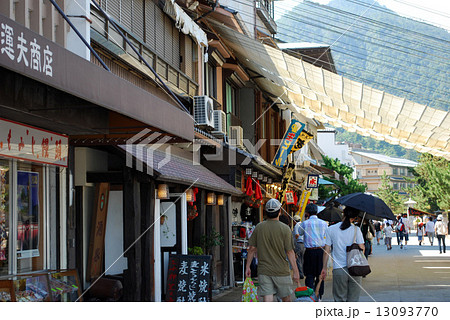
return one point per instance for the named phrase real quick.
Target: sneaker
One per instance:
(401, 246)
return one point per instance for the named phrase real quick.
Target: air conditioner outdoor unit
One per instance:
(203, 111)
(220, 122)
(237, 136)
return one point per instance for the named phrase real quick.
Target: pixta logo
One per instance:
(142, 147)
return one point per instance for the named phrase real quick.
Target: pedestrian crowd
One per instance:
(306, 250)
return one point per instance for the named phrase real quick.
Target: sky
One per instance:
(435, 12)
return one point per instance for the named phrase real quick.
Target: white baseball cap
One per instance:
(273, 205)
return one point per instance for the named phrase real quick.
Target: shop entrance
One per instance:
(171, 223)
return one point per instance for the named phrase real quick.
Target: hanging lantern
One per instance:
(190, 195)
(248, 171)
(269, 180)
(260, 176)
(163, 191)
(220, 199)
(264, 179)
(254, 174)
(211, 199)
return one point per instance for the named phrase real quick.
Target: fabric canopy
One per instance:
(330, 98)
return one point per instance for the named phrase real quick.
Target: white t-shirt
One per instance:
(388, 231)
(340, 239)
(429, 227)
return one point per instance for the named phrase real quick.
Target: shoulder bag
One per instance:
(357, 263)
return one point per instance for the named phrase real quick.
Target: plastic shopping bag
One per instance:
(249, 291)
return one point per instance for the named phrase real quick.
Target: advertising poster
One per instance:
(28, 214)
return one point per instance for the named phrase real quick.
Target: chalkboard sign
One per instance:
(189, 278)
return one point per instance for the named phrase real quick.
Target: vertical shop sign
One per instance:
(4, 199)
(24, 142)
(97, 243)
(289, 139)
(189, 278)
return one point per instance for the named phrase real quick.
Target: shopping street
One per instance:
(418, 273)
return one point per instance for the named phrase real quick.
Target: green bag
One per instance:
(303, 293)
(249, 291)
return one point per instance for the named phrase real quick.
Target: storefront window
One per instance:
(30, 218)
(4, 217)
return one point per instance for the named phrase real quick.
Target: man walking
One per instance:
(272, 240)
(299, 246)
(441, 232)
(313, 231)
(378, 228)
(429, 229)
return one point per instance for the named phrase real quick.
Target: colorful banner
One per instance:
(24, 142)
(303, 139)
(289, 140)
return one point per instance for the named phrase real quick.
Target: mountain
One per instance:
(374, 45)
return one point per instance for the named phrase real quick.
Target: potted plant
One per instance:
(211, 240)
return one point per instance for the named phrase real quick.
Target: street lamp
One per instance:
(409, 204)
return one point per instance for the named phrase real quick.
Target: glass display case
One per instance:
(51, 285)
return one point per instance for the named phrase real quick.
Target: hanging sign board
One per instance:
(24, 142)
(189, 278)
(290, 197)
(285, 182)
(313, 181)
(289, 139)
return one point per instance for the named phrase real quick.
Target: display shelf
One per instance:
(48, 285)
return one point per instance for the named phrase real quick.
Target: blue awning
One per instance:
(326, 182)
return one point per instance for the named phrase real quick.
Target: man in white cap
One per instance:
(272, 240)
(441, 232)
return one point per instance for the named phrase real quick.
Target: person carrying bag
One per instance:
(357, 263)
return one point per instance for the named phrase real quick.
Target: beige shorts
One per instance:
(269, 285)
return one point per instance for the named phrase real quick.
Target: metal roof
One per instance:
(399, 162)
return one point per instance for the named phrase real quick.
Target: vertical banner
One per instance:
(285, 182)
(289, 139)
(98, 228)
(303, 202)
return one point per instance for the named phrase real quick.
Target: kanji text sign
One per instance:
(189, 278)
(24, 142)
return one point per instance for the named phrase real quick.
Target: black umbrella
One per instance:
(374, 207)
(331, 213)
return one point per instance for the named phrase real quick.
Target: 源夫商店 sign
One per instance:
(24, 142)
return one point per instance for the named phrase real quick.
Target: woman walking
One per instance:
(341, 235)
(420, 232)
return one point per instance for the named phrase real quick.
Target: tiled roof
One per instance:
(386, 159)
(176, 169)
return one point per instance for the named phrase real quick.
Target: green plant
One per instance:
(198, 251)
(211, 240)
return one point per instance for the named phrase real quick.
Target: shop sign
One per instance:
(24, 142)
(303, 202)
(24, 50)
(188, 278)
(290, 197)
(289, 139)
(285, 182)
(313, 181)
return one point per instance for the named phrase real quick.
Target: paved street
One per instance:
(419, 273)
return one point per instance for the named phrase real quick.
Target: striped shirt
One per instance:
(313, 230)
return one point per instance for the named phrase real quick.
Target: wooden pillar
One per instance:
(147, 219)
(131, 232)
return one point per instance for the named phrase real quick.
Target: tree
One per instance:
(346, 184)
(391, 197)
(432, 178)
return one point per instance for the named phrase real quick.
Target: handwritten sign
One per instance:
(303, 139)
(289, 140)
(24, 142)
(189, 278)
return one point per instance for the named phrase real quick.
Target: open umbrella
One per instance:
(374, 207)
(331, 213)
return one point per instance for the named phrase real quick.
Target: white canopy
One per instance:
(331, 98)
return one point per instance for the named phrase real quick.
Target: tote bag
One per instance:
(357, 263)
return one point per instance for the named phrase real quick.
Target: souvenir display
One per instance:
(64, 286)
